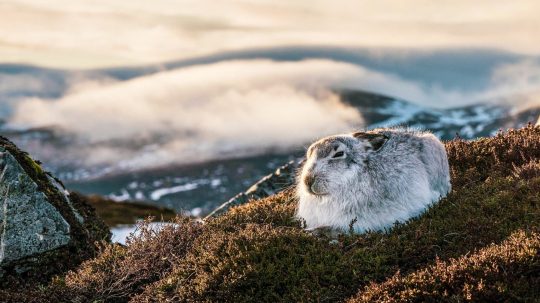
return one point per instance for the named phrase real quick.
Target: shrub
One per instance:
(474, 161)
(528, 171)
(120, 272)
(255, 262)
(504, 272)
(277, 210)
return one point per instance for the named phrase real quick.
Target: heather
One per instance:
(479, 243)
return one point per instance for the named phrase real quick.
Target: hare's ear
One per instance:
(376, 140)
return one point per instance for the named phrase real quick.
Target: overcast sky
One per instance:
(104, 33)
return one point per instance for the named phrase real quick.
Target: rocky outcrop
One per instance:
(29, 223)
(269, 185)
(43, 229)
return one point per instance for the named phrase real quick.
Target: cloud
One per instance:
(194, 114)
(100, 33)
(235, 108)
(519, 81)
(512, 84)
(17, 86)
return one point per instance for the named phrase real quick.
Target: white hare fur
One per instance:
(374, 178)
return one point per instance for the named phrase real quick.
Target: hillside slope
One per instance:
(481, 243)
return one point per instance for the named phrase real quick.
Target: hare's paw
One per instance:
(324, 231)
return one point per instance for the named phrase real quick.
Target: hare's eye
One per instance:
(339, 154)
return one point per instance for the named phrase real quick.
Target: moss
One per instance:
(34, 165)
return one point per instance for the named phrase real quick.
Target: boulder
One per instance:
(44, 230)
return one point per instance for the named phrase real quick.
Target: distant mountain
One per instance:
(468, 122)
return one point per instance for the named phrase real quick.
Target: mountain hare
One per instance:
(371, 179)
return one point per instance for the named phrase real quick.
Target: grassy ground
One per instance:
(479, 244)
(115, 213)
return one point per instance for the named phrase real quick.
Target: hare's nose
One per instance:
(309, 180)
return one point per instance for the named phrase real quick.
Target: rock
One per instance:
(29, 223)
(43, 229)
(269, 185)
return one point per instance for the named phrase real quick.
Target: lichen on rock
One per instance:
(43, 230)
(29, 223)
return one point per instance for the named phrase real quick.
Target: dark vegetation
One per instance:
(479, 244)
(115, 213)
(505, 272)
